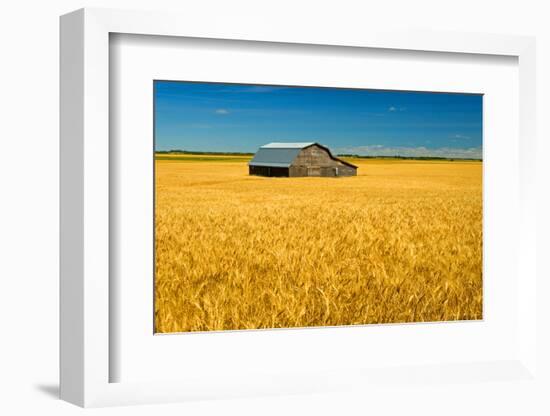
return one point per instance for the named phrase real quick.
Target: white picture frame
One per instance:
(85, 220)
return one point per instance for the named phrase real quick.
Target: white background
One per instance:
(29, 208)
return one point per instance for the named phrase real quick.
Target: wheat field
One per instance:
(401, 242)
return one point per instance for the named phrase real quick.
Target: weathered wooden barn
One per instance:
(298, 159)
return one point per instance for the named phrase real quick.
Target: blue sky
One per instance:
(240, 118)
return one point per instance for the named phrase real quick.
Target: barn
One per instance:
(298, 159)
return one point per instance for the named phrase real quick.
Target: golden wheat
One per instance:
(401, 242)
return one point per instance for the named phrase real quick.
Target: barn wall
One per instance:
(345, 170)
(297, 171)
(316, 161)
(313, 156)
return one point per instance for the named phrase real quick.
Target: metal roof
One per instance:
(287, 145)
(275, 156)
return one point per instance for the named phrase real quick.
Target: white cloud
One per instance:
(420, 151)
(222, 111)
(461, 136)
(394, 108)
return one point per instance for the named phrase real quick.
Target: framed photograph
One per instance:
(398, 238)
(273, 212)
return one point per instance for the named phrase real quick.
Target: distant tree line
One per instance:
(410, 157)
(193, 152)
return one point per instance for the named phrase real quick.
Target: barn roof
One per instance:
(276, 145)
(282, 155)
